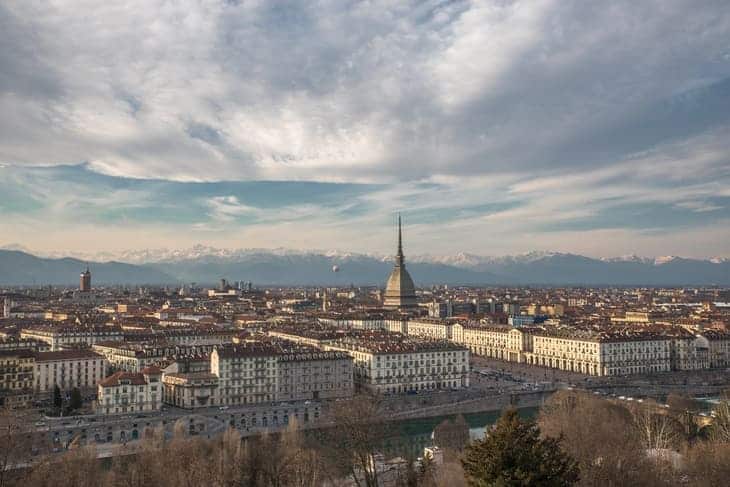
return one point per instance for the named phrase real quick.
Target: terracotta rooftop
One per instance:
(124, 378)
(66, 355)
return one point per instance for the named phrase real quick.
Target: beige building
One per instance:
(68, 369)
(58, 337)
(390, 363)
(133, 357)
(689, 352)
(495, 341)
(718, 343)
(601, 354)
(545, 309)
(191, 390)
(432, 328)
(586, 352)
(126, 392)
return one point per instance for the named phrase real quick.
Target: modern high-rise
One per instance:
(400, 292)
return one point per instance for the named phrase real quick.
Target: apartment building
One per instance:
(433, 328)
(495, 341)
(688, 351)
(601, 354)
(255, 372)
(314, 374)
(184, 337)
(65, 336)
(16, 377)
(718, 344)
(13, 343)
(391, 363)
(364, 322)
(191, 390)
(126, 392)
(586, 352)
(133, 357)
(68, 369)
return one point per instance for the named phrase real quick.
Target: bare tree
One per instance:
(720, 427)
(657, 430)
(601, 436)
(356, 437)
(15, 441)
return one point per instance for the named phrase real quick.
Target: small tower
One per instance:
(85, 281)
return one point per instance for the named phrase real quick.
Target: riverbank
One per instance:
(477, 405)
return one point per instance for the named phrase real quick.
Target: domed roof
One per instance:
(400, 290)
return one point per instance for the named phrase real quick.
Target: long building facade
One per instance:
(252, 373)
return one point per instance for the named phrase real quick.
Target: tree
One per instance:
(351, 444)
(14, 444)
(76, 401)
(657, 430)
(57, 397)
(453, 435)
(682, 402)
(602, 436)
(512, 453)
(707, 464)
(720, 427)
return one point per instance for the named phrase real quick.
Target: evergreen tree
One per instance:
(75, 401)
(512, 454)
(57, 398)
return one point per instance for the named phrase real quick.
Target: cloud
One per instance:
(476, 119)
(228, 208)
(354, 91)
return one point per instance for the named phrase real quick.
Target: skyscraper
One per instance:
(85, 281)
(400, 291)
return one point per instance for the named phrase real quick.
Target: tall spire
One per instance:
(400, 291)
(399, 257)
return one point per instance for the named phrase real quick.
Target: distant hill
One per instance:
(286, 267)
(21, 268)
(562, 269)
(315, 269)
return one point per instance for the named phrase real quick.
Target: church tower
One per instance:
(400, 291)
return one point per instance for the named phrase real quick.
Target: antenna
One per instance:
(399, 256)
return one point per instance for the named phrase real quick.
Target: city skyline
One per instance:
(497, 128)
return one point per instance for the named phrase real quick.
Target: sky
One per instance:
(495, 127)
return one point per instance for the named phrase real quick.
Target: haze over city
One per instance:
(495, 127)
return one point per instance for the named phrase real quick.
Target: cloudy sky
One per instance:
(495, 126)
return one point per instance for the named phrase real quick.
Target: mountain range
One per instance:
(203, 264)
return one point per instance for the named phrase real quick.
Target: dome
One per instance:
(400, 290)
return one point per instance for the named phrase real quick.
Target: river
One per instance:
(411, 436)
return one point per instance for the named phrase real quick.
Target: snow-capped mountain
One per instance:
(630, 258)
(664, 259)
(285, 266)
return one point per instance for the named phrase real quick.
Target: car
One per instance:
(223, 408)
